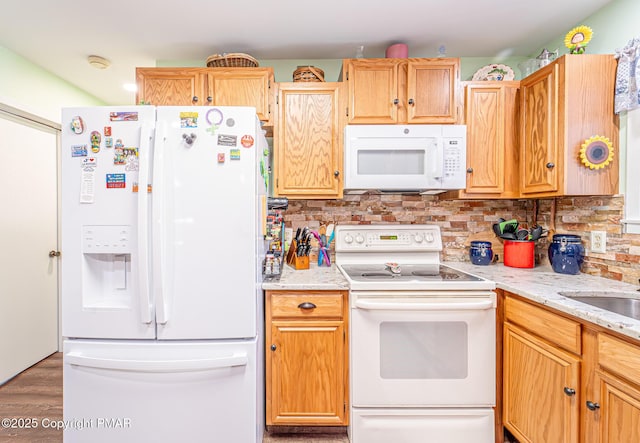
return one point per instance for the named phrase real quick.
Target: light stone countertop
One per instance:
(318, 278)
(540, 284)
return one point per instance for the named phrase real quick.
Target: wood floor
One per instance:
(36, 395)
(33, 395)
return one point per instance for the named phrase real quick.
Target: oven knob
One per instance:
(418, 238)
(348, 239)
(359, 238)
(429, 237)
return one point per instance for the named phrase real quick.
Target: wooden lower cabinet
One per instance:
(536, 374)
(306, 358)
(567, 380)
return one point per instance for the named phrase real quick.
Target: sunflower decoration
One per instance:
(577, 39)
(596, 152)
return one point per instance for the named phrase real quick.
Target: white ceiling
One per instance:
(59, 35)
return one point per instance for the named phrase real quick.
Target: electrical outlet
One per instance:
(599, 241)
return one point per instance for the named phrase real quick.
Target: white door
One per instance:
(205, 222)
(423, 351)
(104, 153)
(28, 276)
(135, 391)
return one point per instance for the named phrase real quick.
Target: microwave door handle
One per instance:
(437, 169)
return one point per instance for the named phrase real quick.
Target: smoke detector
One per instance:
(98, 62)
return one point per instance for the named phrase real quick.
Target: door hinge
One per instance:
(277, 99)
(347, 75)
(269, 83)
(347, 111)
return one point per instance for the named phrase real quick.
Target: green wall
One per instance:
(27, 86)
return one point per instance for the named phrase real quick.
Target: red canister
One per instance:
(519, 253)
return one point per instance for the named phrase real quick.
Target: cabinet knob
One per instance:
(592, 406)
(336, 173)
(194, 98)
(396, 101)
(411, 102)
(550, 165)
(209, 99)
(274, 347)
(469, 170)
(569, 391)
(307, 305)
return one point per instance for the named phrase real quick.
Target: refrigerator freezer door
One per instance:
(105, 291)
(162, 392)
(205, 222)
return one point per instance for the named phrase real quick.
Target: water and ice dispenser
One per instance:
(106, 267)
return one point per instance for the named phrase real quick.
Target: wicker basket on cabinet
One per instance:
(232, 60)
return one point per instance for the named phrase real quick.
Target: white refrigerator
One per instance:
(162, 247)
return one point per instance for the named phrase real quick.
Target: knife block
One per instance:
(295, 261)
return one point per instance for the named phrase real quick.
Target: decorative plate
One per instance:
(494, 72)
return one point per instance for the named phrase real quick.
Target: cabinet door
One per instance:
(484, 109)
(539, 161)
(308, 141)
(535, 375)
(242, 87)
(170, 86)
(619, 410)
(373, 91)
(432, 91)
(307, 370)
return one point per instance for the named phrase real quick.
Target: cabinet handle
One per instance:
(592, 406)
(209, 99)
(307, 305)
(469, 170)
(336, 173)
(396, 101)
(411, 102)
(569, 391)
(274, 347)
(550, 165)
(194, 98)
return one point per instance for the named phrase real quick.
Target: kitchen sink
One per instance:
(623, 303)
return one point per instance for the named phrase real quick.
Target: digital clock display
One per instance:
(388, 237)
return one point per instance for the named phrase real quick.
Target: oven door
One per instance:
(423, 349)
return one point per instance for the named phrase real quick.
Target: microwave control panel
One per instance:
(454, 159)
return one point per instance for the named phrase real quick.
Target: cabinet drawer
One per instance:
(305, 305)
(619, 357)
(559, 330)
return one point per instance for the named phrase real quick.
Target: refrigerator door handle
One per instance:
(143, 222)
(157, 232)
(186, 365)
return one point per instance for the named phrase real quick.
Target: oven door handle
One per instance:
(424, 306)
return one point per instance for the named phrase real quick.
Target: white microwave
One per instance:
(397, 158)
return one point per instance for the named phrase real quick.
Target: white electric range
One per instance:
(422, 339)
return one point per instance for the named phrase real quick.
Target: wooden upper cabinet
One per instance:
(170, 86)
(563, 105)
(432, 87)
(492, 148)
(389, 91)
(207, 87)
(242, 87)
(308, 141)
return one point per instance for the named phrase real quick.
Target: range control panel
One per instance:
(388, 238)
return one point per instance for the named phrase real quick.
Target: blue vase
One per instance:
(566, 253)
(481, 253)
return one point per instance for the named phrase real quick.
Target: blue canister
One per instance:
(566, 253)
(481, 252)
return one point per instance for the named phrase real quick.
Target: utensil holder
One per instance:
(295, 261)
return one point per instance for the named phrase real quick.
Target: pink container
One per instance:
(399, 50)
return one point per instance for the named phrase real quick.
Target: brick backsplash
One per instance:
(459, 219)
